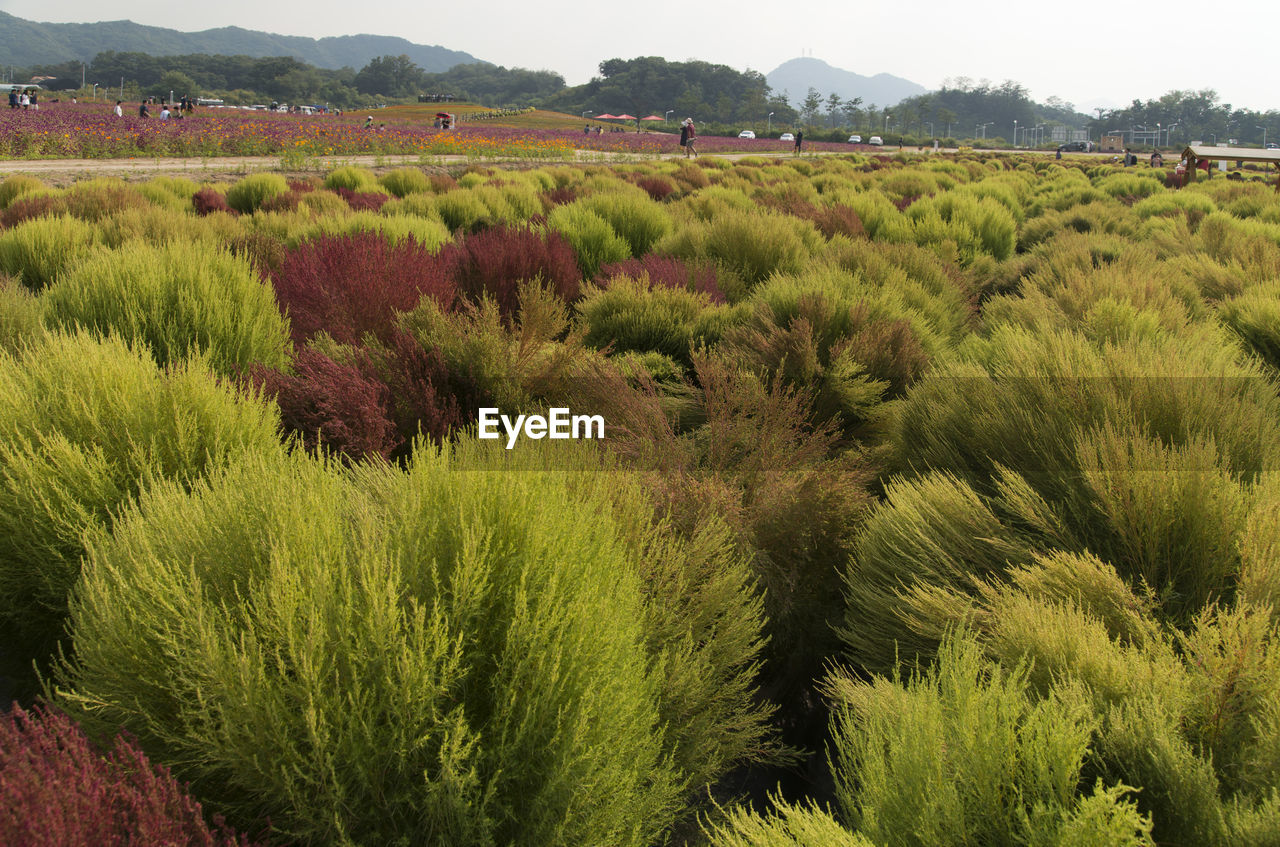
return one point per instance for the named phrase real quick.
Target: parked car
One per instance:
(1271, 145)
(876, 140)
(855, 139)
(1076, 147)
(786, 136)
(746, 133)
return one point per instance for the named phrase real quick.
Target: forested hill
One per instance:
(25, 43)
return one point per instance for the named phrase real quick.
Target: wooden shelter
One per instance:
(1194, 155)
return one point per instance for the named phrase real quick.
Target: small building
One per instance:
(1112, 143)
(1197, 157)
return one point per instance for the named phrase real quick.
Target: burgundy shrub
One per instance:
(209, 200)
(904, 202)
(440, 183)
(284, 202)
(350, 285)
(426, 397)
(362, 201)
(667, 272)
(658, 187)
(29, 208)
(337, 406)
(838, 219)
(558, 196)
(56, 790)
(494, 261)
(302, 186)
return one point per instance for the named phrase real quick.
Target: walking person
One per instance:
(688, 137)
(799, 141)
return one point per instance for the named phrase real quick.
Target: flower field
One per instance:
(938, 504)
(84, 131)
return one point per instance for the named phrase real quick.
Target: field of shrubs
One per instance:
(939, 504)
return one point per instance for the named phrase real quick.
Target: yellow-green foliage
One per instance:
(632, 315)
(427, 654)
(21, 314)
(37, 251)
(176, 299)
(405, 181)
(595, 242)
(975, 224)
(752, 244)
(395, 228)
(352, 177)
(631, 214)
(966, 753)
(462, 211)
(254, 190)
(16, 186)
(84, 426)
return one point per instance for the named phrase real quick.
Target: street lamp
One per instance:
(1015, 132)
(769, 122)
(95, 91)
(984, 128)
(1264, 136)
(886, 121)
(665, 115)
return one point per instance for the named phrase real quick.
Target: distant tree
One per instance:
(393, 76)
(810, 107)
(833, 107)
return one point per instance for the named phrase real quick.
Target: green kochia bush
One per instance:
(251, 192)
(964, 753)
(36, 251)
(432, 656)
(177, 299)
(84, 426)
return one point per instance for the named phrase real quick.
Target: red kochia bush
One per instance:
(28, 208)
(350, 285)
(667, 272)
(56, 790)
(362, 201)
(495, 260)
(209, 200)
(344, 407)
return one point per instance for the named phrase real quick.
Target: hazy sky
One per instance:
(1086, 53)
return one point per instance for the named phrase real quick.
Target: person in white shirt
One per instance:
(164, 113)
(119, 112)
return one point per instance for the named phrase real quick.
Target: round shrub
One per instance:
(405, 181)
(350, 285)
(247, 195)
(595, 242)
(352, 179)
(17, 185)
(36, 251)
(177, 298)
(84, 426)
(430, 656)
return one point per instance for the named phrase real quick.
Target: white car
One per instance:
(746, 133)
(876, 140)
(855, 139)
(786, 136)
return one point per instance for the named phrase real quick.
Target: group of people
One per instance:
(185, 106)
(26, 99)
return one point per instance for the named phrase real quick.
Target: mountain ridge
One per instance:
(30, 43)
(797, 76)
